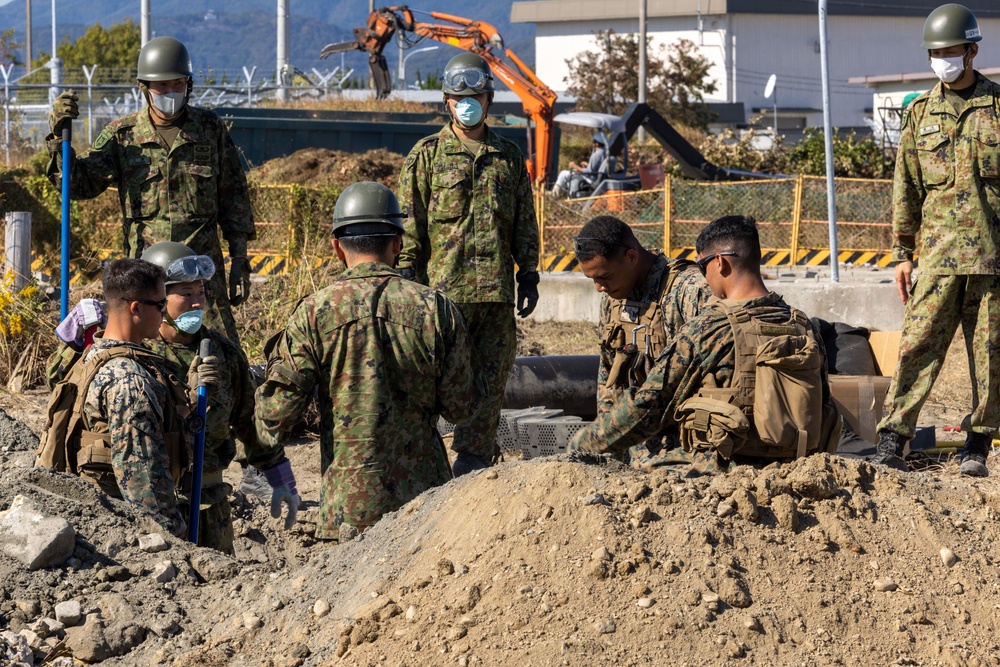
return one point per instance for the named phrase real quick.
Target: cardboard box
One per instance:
(860, 397)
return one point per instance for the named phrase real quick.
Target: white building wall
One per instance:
(781, 44)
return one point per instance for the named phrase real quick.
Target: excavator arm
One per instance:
(476, 36)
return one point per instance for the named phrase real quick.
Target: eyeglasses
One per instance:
(191, 268)
(703, 262)
(465, 77)
(580, 242)
(160, 305)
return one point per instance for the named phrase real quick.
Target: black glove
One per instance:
(407, 272)
(65, 108)
(239, 280)
(527, 293)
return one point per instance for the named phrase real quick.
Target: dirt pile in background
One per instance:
(321, 167)
(823, 561)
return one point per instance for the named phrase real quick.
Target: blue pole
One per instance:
(67, 145)
(194, 515)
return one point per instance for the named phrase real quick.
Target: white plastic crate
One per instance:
(547, 437)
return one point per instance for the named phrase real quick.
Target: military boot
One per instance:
(890, 451)
(977, 448)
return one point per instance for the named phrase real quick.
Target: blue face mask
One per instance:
(469, 113)
(189, 322)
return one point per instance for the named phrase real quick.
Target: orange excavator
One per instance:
(476, 36)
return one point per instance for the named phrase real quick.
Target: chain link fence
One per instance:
(791, 214)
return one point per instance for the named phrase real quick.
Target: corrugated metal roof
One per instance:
(555, 11)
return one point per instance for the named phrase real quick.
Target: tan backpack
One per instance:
(774, 407)
(73, 445)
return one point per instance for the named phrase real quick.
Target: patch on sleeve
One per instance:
(102, 139)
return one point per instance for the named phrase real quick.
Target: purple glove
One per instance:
(84, 315)
(283, 491)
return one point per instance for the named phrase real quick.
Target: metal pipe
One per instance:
(27, 40)
(67, 153)
(642, 63)
(831, 202)
(286, 74)
(144, 21)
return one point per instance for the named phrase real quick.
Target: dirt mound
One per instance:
(15, 436)
(823, 561)
(320, 167)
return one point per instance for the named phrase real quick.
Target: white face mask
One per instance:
(948, 70)
(169, 104)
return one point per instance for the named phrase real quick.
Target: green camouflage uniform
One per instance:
(186, 193)
(387, 356)
(129, 399)
(702, 347)
(230, 416)
(947, 189)
(682, 303)
(470, 219)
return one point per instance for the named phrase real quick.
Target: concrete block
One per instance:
(35, 539)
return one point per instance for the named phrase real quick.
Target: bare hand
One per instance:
(904, 280)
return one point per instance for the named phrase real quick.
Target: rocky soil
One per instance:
(825, 561)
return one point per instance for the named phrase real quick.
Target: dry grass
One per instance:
(390, 105)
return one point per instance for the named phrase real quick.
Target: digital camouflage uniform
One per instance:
(230, 416)
(681, 303)
(128, 398)
(470, 219)
(702, 347)
(387, 357)
(188, 192)
(946, 188)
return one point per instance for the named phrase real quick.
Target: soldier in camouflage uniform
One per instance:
(226, 372)
(702, 353)
(643, 291)
(127, 397)
(947, 189)
(177, 172)
(387, 356)
(470, 219)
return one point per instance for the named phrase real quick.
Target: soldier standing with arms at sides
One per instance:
(471, 218)
(226, 372)
(649, 294)
(177, 171)
(387, 356)
(947, 189)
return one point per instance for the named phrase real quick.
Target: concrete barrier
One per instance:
(867, 299)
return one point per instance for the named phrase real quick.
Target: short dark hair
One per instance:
(366, 245)
(737, 233)
(129, 279)
(604, 236)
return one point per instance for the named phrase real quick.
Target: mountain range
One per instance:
(226, 35)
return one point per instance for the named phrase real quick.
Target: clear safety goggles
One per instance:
(461, 78)
(191, 268)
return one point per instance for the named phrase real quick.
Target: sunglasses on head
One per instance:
(703, 262)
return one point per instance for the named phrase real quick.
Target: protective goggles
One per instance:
(191, 268)
(461, 78)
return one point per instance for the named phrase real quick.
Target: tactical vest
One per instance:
(642, 323)
(73, 444)
(773, 409)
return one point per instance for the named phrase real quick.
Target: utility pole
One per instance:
(286, 73)
(144, 21)
(27, 41)
(642, 61)
(831, 203)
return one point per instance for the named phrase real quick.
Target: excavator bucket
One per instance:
(380, 75)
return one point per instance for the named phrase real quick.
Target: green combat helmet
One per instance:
(467, 74)
(181, 264)
(164, 59)
(367, 209)
(949, 25)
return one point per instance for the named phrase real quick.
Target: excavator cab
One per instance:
(609, 178)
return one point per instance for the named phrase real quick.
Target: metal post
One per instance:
(831, 202)
(286, 74)
(6, 70)
(90, 101)
(248, 74)
(55, 64)
(642, 62)
(67, 142)
(144, 21)
(402, 66)
(17, 247)
(27, 32)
